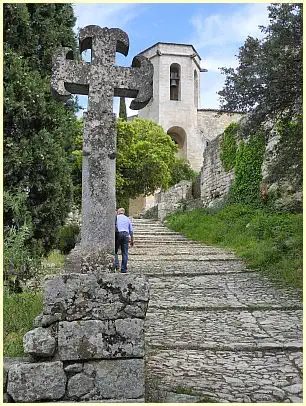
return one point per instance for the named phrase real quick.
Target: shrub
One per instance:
(67, 237)
(19, 263)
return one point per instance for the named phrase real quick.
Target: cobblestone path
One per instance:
(215, 331)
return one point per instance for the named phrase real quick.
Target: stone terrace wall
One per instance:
(88, 343)
(215, 182)
(169, 201)
(212, 122)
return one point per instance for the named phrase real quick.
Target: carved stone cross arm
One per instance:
(135, 82)
(69, 76)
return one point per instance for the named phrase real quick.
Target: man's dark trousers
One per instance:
(123, 242)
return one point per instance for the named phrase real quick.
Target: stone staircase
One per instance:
(215, 330)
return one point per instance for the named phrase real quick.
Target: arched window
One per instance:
(196, 88)
(178, 135)
(175, 81)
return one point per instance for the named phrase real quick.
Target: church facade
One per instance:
(175, 105)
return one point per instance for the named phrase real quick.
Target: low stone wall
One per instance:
(88, 343)
(169, 201)
(215, 182)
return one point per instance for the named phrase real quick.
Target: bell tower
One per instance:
(176, 97)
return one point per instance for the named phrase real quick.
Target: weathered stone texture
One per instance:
(101, 80)
(36, 381)
(117, 379)
(170, 200)
(91, 314)
(95, 296)
(95, 339)
(215, 182)
(79, 385)
(39, 342)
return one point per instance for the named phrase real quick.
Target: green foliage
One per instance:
(145, 161)
(181, 170)
(19, 310)
(67, 237)
(269, 242)
(21, 260)
(229, 147)
(145, 156)
(268, 80)
(38, 131)
(249, 158)
(288, 163)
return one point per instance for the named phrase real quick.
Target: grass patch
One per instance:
(269, 242)
(19, 311)
(54, 260)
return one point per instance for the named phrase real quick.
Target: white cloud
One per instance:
(105, 14)
(229, 27)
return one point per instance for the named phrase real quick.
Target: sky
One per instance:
(216, 30)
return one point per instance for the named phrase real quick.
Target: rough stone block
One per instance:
(36, 381)
(8, 363)
(95, 339)
(39, 342)
(79, 385)
(95, 296)
(117, 379)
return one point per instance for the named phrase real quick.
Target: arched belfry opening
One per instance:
(178, 135)
(175, 81)
(196, 88)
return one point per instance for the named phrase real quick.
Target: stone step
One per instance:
(240, 290)
(186, 257)
(227, 376)
(154, 243)
(153, 232)
(224, 330)
(180, 268)
(175, 252)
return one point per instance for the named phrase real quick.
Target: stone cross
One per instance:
(100, 80)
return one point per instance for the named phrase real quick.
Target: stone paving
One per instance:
(215, 330)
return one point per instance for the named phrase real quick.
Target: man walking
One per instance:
(125, 229)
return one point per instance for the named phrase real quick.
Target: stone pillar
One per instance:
(88, 343)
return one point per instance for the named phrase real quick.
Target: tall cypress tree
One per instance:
(38, 131)
(122, 109)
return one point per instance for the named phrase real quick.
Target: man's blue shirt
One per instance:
(124, 224)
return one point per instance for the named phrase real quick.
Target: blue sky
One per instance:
(216, 30)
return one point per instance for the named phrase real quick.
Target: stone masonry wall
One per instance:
(169, 201)
(215, 182)
(88, 343)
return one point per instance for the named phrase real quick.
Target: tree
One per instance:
(268, 85)
(268, 80)
(145, 159)
(122, 109)
(38, 131)
(144, 156)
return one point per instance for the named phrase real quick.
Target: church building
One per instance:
(175, 105)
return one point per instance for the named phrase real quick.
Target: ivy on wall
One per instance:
(229, 147)
(248, 162)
